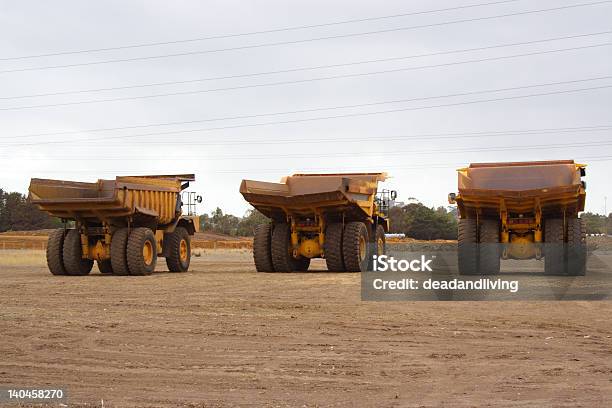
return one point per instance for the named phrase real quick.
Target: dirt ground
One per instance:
(223, 335)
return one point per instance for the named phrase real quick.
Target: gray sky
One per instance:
(421, 168)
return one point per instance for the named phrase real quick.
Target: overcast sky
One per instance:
(360, 140)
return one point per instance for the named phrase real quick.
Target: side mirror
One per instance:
(393, 195)
(199, 199)
(452, 198)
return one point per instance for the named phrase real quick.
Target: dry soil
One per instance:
(224, 335)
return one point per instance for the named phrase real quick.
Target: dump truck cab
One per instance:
(339, 217)
(521, 210)
(123, 224)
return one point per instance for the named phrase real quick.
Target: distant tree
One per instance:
(220, 223)
(228, 224)
(204, 222)
(252, 218)
(398, 222)
(17, 214)
(420, 222)
(595, 223)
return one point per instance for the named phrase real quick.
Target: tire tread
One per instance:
(173, 242)
(119, 252)
(73, 261)
(333, 247)
(55, 249)
(281, 259)
(262, 248)
(467, 251)
(134, 251)
(350, 246)
(489, 254)
(554, 253)
(576, 247)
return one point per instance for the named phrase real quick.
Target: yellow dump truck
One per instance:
(122, 224)
(521, 210)
(340, 217)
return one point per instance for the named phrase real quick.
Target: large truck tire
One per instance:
(105, 267)
(467, 247)
(576, 247)
(141, 251)
(119, 252)
(355, 248)
(72, 254)
(282, 257)
(380, 241)
(178, 245)
(554, 247)
(333, 247)
(378, 245)
(55, 249)
(262, 248)
(488, 251)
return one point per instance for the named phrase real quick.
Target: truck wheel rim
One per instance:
(147, 253)
(362, 248)
(183, 250)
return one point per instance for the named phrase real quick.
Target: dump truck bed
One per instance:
(521, 187)
(155, 196)
(306, 194)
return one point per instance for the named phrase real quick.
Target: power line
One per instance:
(108, 129)
(248, 75)
(423, 136)
(251, 116)
(512, 148)
(325, 117)
(275, 30)
(284, 170)
(422, 166)
(412, 151)
(127, 98)
(418, 137)
(430, 136)
(426, 137)
(308, 39)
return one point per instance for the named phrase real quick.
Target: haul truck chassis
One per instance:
(124, 224)
(521, 210)
(338, 217)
